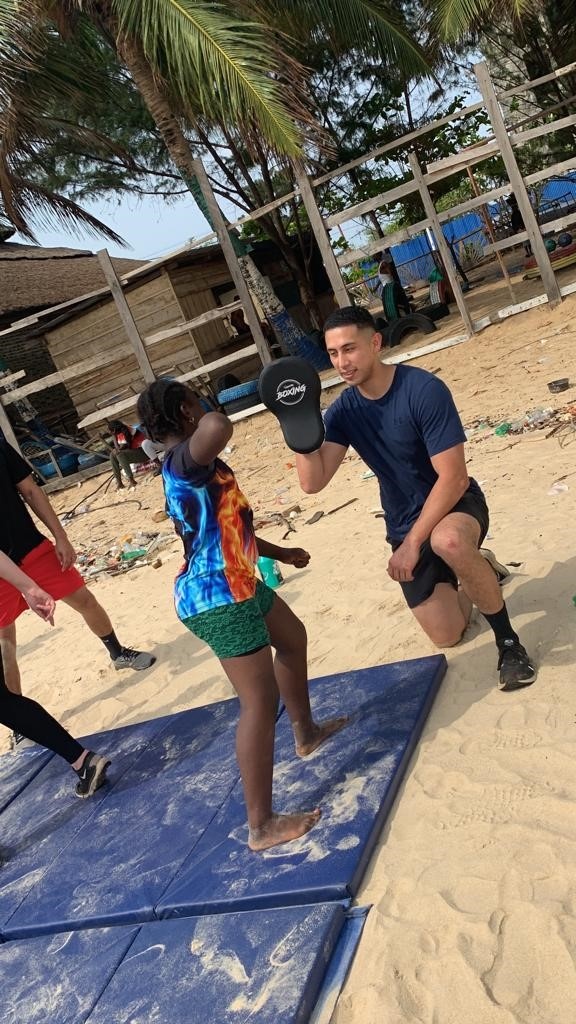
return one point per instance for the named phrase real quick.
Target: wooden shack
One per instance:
(89, 348)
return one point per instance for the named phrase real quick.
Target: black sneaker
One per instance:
(514, 666)
(91, 775)
(138, 660)
(19, 742)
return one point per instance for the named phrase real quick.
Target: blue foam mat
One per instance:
(339, 965)
(267, 966)
(46, 818)
(354, 778)
(18, 769)
(141, 831)
(59, 979)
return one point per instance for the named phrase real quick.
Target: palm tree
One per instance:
(190, 60)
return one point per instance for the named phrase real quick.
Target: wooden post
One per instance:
(490, 232)
(322, 237)
(234, 267)
(518, 186)
(126, 317)
(443, 247)
(6, 428)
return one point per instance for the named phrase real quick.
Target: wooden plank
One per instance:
(318, 227)
(10, 378)
(61, 376)
(399, 143)
(527, 86)
(518, 138)
(548, 172)
(382, 199)
(233, 263)
(568, 289)
(198, 321)
(517, 182)
(130, 403)
(441, 242)
(377, 244)
(460, 161)
(126, 316)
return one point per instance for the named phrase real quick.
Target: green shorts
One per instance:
(232, 630)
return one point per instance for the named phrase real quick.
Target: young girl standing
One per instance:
(220, 600)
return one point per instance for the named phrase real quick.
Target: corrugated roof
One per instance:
(33, 278)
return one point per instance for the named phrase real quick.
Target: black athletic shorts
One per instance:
(431, 569)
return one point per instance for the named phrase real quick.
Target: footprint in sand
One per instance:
(517, 739)
(496, 805)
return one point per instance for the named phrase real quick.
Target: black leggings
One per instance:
(31, 720)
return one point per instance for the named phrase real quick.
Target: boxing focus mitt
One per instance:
(290, 388)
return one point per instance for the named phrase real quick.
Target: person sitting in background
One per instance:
(131, 447)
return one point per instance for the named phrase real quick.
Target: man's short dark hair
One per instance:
(350, 316)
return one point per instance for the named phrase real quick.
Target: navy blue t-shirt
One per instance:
(396, 435)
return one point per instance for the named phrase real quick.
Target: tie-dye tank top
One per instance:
(214, 520)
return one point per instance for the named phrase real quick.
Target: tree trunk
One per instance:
(181, 153)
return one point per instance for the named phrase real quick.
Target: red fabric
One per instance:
(135, 440)
(42, 566)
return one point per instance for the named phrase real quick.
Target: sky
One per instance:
(151, 227)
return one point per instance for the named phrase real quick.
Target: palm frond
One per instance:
(38, 77)
(230, 65)
(25, 203)
(364, 25)
(456, 18)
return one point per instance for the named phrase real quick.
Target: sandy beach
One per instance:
(473, 882)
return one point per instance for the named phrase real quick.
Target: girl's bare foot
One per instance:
(282, 828)
(308, 741)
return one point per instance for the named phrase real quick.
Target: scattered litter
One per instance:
(228, 449)
(368, 475)
(317, 515)
(339, 507)
(159, 516)
(558, 488)
(157, 563)
(130, 551)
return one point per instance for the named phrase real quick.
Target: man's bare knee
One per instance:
(448, 545)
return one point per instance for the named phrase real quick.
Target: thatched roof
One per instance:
(34, 278)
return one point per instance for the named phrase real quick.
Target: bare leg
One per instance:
(252, 676)
(288, 637)
(444, 616)
(84, 602)
(125, 463)
(455, 540)
(9, 660)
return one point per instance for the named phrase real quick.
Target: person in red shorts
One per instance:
(49, 565)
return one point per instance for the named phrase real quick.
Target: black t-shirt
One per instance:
(18, 532)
